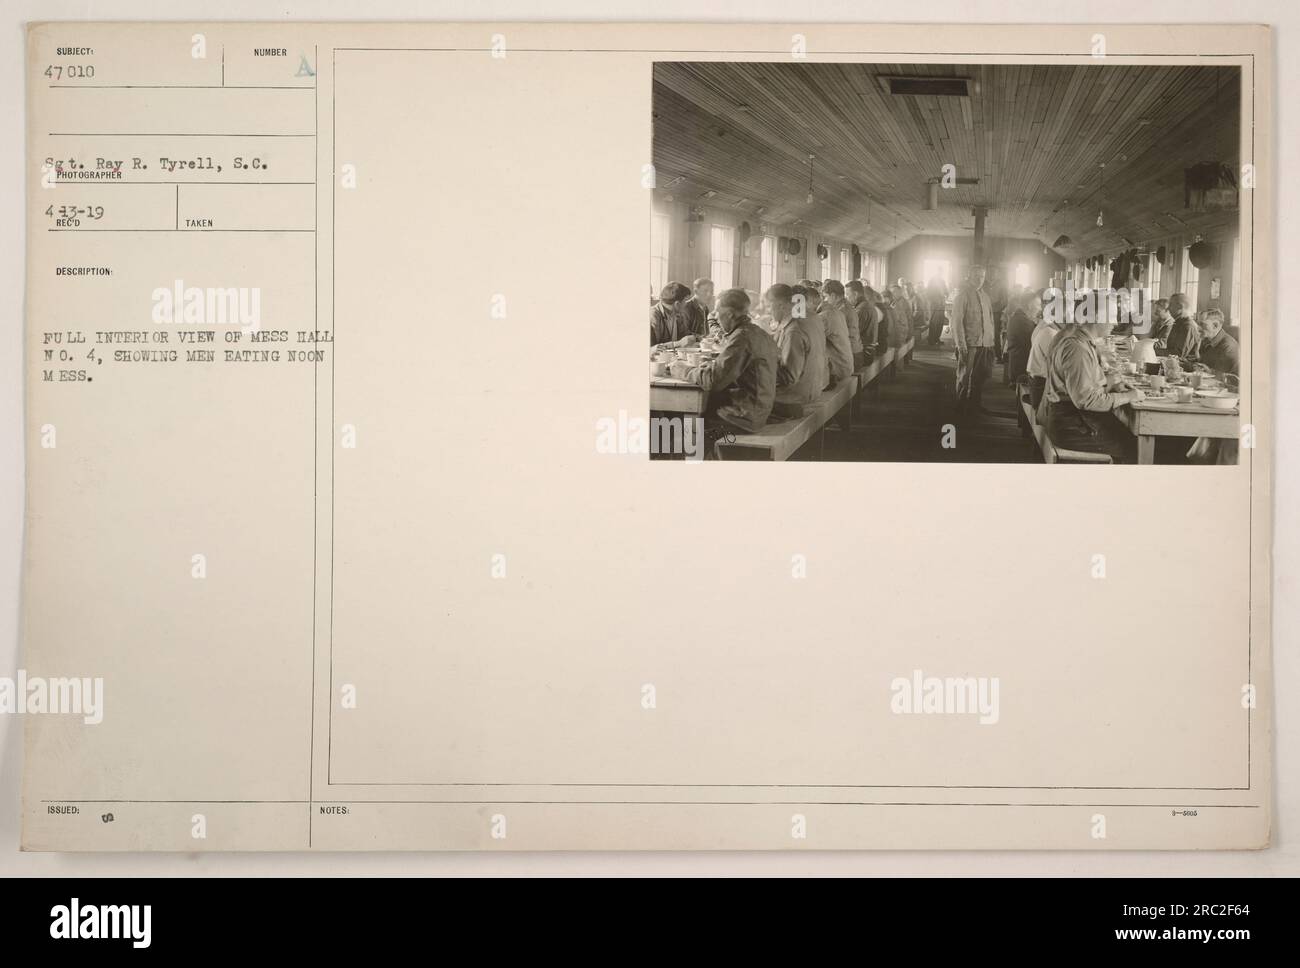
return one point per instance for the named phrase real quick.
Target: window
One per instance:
(936, 267)
(846, 266)
(658, 253)
(1236, 282)
(1191, 279)
(1022, 273)
(826, 264)
(721, 253)
(1154, 271)
(766, 264)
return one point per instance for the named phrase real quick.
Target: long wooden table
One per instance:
(1151, 419)
(676, 396)
(670, 395)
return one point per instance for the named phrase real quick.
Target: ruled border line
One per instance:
(315, 425)
(311, 801)
(700, 803)
(1036, 57)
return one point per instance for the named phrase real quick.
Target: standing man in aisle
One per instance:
(972, 336)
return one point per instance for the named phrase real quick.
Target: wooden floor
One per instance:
(905, 420)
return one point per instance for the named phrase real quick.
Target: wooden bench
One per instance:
(905, 351)
(868, 375)
(839, 399)
(1051, 453)
(778, 441)
(899, 354)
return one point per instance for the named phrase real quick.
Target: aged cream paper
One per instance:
(352, 572)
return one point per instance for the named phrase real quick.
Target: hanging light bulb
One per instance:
(1101, 192)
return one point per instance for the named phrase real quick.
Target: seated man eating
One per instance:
(742, 379)
(801, 372)
(1079, 398)
(669, 326)
(1218, 350)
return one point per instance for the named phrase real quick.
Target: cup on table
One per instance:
(658, 368)
(1183, 394)
(1194, 379)
(1157, 382)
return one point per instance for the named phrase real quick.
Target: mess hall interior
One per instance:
(949, 262)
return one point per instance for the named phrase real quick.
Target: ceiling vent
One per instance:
(927, 86)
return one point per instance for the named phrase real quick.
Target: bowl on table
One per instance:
(1216, 399)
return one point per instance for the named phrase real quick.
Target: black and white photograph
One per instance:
(947, 262)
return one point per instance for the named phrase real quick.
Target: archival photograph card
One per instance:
(355, 521)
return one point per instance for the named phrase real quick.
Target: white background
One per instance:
(1283, 857)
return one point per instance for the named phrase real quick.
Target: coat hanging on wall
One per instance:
(1126, 270)
(1210, 187)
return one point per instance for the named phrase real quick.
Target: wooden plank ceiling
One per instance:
(1034, 135)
